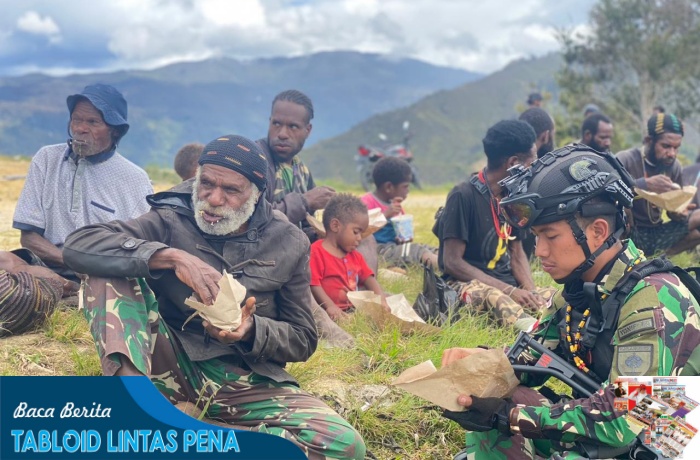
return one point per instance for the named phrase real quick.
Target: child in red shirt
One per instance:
(336, 266)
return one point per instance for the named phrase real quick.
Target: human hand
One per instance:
(660, 184)
(394, 208)
(385, 305)
(69, 287)
(681, 216)
(451, 355)
(244, 332)
(482, 414)
(318, 197)
(198, 275)
(335, 312)
(527, 299)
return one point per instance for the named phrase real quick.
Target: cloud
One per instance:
(33, 23)
(471, 34)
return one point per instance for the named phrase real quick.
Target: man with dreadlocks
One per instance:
(655, 168)
(617, 314)
(291, 188)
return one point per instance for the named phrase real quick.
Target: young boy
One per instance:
(336, 267)
(392, 179)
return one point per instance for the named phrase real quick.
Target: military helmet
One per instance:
(563, 182)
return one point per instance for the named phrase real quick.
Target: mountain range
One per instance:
(446, 127)
(188, 102)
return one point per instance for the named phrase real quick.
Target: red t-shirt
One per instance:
(337, 275)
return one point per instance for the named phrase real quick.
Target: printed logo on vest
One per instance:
(634, 359)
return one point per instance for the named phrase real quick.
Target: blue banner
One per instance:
(115, 417)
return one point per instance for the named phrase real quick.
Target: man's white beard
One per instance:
(232, 219)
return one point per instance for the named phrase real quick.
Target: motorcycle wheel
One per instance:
(366, 177)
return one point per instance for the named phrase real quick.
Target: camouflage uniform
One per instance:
(285, 198)
(478, 297)
(658, 328)
(124, 319)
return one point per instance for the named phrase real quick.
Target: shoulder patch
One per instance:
(634, 359)
(636, 328)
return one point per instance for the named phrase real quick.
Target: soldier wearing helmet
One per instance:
(617, 314)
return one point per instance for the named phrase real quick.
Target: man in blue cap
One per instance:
(82, 182)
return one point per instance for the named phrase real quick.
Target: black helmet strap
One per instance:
(582, 241)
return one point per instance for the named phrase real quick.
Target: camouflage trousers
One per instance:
(478, 297)
(123, 317)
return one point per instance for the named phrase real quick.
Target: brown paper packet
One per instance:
(484, 374)
(370, 304)
(225, 312)
(672, 201)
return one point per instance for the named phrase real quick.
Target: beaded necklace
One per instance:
(649, 205)
(505, 230)
(574, 340)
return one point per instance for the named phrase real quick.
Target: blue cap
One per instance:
(107, 100)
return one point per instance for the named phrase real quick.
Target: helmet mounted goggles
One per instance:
(567, 185)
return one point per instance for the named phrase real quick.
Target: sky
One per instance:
(83, 36)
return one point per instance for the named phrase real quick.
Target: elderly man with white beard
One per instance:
(142, 270)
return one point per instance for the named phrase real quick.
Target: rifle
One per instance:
(549, 363)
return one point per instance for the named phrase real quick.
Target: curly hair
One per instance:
(391, 169)
(186, 160)
(538, 118)
(344, 207)
(591, 123)
(505, 139)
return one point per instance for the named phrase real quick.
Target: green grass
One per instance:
(355, 382)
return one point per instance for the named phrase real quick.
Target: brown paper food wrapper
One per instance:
(487, 374)
(402, 314)
(673, 200)
(225, 312)
(316, 225)
(376, 222)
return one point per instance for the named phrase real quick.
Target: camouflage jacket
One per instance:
(290, 202)
(657, 330)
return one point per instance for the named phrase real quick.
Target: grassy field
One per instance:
(355, 382)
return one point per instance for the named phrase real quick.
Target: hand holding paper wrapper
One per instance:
(225, 313)
(485, 374)
(673, 200)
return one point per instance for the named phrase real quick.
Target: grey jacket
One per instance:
(284, 327)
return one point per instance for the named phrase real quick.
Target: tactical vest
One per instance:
(602, 324)
(597, 339)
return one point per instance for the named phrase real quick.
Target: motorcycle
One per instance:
(368, 155)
